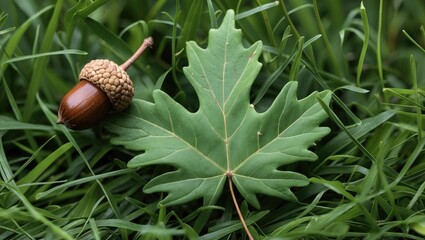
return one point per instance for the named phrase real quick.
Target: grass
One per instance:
(367, 183)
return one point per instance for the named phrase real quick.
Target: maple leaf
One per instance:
(226, 137)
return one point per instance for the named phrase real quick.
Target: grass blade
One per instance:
(41, 63)
(365, 43)
(255, 10)
(378, 45)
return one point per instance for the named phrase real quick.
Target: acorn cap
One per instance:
(111, 79)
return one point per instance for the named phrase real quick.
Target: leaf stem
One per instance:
(148, 42)
(229, 177)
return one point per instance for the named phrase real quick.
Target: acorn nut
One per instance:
(104, 87)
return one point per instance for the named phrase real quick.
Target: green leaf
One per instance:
(226, 137)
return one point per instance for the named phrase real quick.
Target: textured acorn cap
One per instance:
(112, 80)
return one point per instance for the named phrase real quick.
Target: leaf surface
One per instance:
(226, 136)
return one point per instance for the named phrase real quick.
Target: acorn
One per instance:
(104, 87)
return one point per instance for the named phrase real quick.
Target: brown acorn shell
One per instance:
(83, 106)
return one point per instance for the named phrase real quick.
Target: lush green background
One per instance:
(368, 180)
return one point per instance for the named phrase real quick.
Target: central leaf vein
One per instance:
(223, 101)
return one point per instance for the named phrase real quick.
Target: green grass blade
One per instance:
(339, 188)
(378, 45)
(418, 194)
(365, 127)
(297, 60)
(95, 205)
(14, 40)
(11, 124)
(36, 214)
(413, 41)
(221, 231)
(272, 78)
(335, 186)
(95, 231)
(326, 41)
(41, 63)
(59, 189)
(417, 96)
(80, 10)
(44, 54)
(5, 169)
(342, 139)
(211, 13)
(141, 23)
(7, 30)
(275, 75)
(192, 21)
(11, 99)
(266, 20)
(33, 156)
(143, 229)
(286, 14)
(308, 5)
(174, 53)
(252, 11)
(399, 93)
(365, 43)
(155, 9)
(42, 166)
(410, 160)
(314, 70)
(120, 47)
(3, 18)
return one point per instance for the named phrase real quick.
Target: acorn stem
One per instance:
(148, 42)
